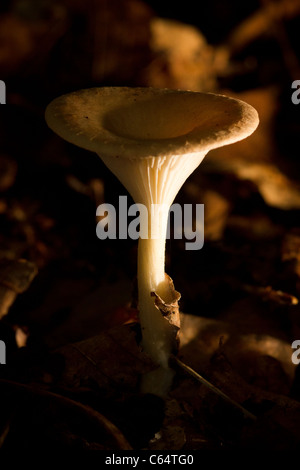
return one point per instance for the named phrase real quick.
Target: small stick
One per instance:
(214, 389)
(99, 419)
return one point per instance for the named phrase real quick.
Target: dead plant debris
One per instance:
(68, 311)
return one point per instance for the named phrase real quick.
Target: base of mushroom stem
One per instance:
(158, 382)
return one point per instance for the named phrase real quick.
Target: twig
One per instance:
(97, 417)
(268, 293)
(269, 17)
(211, 387)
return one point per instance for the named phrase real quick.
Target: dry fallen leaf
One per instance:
(276, 188)
(15, 278)
(182, 58)
(259, 358)
(242, 160)
(113, 360)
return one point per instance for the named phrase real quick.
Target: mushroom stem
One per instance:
(154, 182)
(151, 278)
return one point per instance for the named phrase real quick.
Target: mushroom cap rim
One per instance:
(75, 118)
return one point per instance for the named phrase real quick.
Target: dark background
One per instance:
(248, 272)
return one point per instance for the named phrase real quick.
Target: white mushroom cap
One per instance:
(149, 122)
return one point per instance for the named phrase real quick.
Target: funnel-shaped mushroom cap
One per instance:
(148, 122)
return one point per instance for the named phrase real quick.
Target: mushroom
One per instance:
(152, 140)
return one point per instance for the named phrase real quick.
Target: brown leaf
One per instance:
(182, 58)
(112, 359)
(274, 182)
(15, 277)
(7, 298)
(259, 358)
(91, 307)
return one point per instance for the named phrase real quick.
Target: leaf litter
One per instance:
(74, 359)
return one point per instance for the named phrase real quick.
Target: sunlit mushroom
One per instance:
(152, 140)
